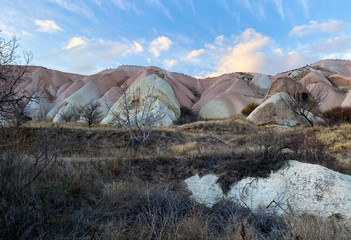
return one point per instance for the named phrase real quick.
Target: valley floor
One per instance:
(68, 181)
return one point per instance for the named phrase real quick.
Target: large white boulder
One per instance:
(151, 89)
(297, 187)
(275, 110)
(205, 189)
(261, 83)
(306, 188)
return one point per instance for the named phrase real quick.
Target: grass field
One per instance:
(94, 185)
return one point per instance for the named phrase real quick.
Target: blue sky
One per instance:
(196, 37)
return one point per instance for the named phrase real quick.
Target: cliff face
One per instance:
(218, 97)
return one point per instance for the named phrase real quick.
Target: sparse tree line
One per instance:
(89, 113)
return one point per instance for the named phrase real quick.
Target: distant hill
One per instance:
(218, 97)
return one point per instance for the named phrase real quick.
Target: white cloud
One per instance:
(47, 26)
(219, 40)
(169, 63)
(261, 11)
(79, 7)
(246, 56)
(249, 52)
(280, 9)
(159, 44)
(195, 53)
(86, 56)
(137, 47)
(115, 49)
(75, 42)
(122, 4)
(280, 61)
(243, 3)
(304, 4)
(97, 2)
(331, 26)
(278, 51)
(158, 4)
(334, 45)
(126, 5)
(210, 46)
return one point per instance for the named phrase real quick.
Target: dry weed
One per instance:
(183, 149)
(337, 139)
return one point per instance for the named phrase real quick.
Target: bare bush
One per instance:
(68, 116)
(338, 115)
(249, 109)
(12, 75)
(90, 113)
(305, 104)
(139, 116)
(20, 164)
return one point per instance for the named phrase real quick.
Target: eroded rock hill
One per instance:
(219, 97)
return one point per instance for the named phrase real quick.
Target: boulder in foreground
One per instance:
(297, 187)
(275, 110)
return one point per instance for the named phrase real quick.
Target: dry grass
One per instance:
(183, 149)
(101, 188)
(337, 138)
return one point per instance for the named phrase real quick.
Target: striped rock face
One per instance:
(217, 97)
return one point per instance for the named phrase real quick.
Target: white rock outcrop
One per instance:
(149, 89)
(205, 189)
(261, 83)
(306, 188)
(298, 187)
(275, 110)
(35, 109)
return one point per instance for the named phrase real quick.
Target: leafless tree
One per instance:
(90, 113)
(139, 113)
(17, 168)
(12, 75)
(305, 103)
(21, 164)
(68, 116)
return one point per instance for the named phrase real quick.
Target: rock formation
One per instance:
(297, 187)
(276, 110)
(219, 97)
(152, 89)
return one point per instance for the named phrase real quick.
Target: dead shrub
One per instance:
(249, 108)
(338, 115)
(184, 148)
(186, 116)
(308, 147)
(308, 226)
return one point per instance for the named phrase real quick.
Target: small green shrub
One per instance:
(338, 115)
(249, 108)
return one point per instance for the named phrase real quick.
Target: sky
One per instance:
(199, 38)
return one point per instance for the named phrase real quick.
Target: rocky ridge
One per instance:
(218, 97)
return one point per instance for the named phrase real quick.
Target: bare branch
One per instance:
(139, 113)
(304, 104)
(90, 113)
(12, 96)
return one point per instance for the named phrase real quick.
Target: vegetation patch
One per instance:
(184, 148)
(338, 115)
(101, 187)
(249, 109)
